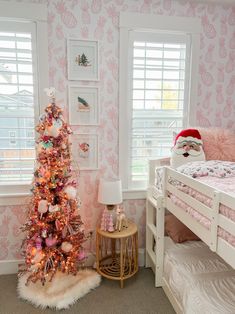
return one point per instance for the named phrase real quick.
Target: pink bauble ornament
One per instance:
(50, 241)
(42, 206)
(66, 247)
(81, 255)
(38, 242)
(71, 192)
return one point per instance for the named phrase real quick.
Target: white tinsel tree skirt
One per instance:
(63, 291)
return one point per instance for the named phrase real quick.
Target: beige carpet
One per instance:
(139, 296)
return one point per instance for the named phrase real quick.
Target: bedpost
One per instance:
(214, 220)
(160, 224)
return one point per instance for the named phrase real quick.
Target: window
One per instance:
(156, 97)
(23, 73)
(12, 140)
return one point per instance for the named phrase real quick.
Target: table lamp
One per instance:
(109, 194)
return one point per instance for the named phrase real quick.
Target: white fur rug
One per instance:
(63, 291)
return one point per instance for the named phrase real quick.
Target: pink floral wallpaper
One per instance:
(99, 19)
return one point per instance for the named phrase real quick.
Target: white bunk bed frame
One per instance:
(156, 204)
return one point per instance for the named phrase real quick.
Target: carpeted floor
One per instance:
(139, 296)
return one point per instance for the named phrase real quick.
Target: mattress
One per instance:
(199, 279)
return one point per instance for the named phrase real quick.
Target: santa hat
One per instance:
(188, 135)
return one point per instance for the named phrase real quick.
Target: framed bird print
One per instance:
(82, 59)
(83, 105)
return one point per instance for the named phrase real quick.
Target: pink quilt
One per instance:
(223, 179)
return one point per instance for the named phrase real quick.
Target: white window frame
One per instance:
(36, 13)
(153, 23)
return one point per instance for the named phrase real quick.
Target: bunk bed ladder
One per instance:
(160, 224)
(155, 213)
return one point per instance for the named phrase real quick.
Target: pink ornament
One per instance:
(51, 241)
(81, 255)
(110, 223)
(57, 224)
(64, 232)
(66, 247)
(38, 242)
(42, 206)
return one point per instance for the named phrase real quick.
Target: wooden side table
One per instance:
(117, 253)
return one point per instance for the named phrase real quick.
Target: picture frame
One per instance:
(83, 105)
(82, 59)
(85, 151)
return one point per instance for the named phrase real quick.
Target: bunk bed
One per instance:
(166, 195)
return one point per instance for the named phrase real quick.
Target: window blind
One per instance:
(158, 91)
(18, 69)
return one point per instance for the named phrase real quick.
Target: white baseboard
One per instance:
(141, 257)
(11, 266)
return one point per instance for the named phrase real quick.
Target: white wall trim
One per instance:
(141, 257)
(134, 194)
(195, 51)
(14, 194)
(15, 199)
(11, 266)
(160, 23)
(29, 11)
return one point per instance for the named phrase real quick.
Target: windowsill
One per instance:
(134, 194)
(15, 188)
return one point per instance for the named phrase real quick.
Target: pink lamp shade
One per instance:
(110, 192)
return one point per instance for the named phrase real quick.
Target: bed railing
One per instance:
(212, 213)
(158, 202)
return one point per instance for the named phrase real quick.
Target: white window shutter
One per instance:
(158, 97)
(18, 87)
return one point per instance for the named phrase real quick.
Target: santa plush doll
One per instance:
(187, 148)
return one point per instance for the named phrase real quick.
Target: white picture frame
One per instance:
(83, 105)
(85, 150)
(82, 59)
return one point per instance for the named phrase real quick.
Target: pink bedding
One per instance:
(224, 183)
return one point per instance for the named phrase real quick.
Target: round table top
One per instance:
(125, 232)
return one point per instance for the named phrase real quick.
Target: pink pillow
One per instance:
(218, 144)
(177, 231)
